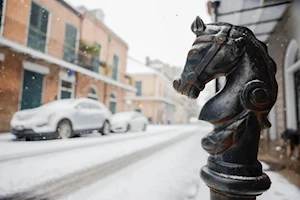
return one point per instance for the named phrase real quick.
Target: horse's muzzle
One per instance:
(184, 87)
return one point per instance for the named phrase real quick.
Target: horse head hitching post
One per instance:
(238, 112)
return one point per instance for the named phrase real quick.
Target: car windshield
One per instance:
(122, 116)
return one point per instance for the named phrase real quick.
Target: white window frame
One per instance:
(48, 27)
(77, 39)
(3, 17)
(35, 67)
(29, 66)
(63, 76)
(118, 67)
(113, 99)
(100, 53)
(290, 67)
(95, 96)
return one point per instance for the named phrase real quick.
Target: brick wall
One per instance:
(148, 109)
(93, 31)
(11, 82)
(10, 86)
(17, 17)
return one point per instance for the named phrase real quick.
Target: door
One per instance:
(83, 117)
(135, 121)
(297, 92)
(112, 106)
(32, 90)
(97, 116)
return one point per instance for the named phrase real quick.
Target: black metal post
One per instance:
(238, 112)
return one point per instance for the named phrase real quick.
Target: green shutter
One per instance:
(112, 107)
(115, 67)
(37, 33)
(32, 90)
(70, 43)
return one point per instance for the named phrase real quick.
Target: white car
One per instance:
(61, 119)
(127, 121)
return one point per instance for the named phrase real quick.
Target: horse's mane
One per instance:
(247, 33)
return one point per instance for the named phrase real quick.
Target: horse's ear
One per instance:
(198, 26)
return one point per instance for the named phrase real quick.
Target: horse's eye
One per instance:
(192, 53)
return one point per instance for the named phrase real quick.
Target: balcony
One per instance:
(83, 59)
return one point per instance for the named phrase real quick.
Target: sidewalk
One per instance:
(279, 162)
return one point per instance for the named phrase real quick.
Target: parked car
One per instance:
(128, 121)
(61, 119)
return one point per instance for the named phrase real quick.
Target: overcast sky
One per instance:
(156, 28)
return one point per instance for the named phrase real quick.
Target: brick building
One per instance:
(155, 95)
(49, 50)
(185, 108)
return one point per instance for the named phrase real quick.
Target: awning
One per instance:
(259, 16)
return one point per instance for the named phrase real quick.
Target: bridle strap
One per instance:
(219, 40)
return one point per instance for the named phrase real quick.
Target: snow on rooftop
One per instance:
(135, 67)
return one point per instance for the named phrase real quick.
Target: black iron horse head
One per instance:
(225, 50)
(239, 111)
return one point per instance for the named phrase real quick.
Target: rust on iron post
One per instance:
(238, 112)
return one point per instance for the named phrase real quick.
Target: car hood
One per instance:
(118, 121)
(35, 112)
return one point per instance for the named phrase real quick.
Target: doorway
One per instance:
(32, 90)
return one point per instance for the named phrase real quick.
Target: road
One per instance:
(161, 163)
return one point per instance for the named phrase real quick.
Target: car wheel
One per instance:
(105, 130)
(144, 127)
(128, 128)
(64, 129)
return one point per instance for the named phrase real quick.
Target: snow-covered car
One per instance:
(127, 121)
(61, 119)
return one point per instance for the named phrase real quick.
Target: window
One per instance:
(138, 86)
(112, 103)
(92, 93)
(70, 43)
(115, 67)
(136, 115)
(37, 33)
(94, 106)
(83, 105)
(96, 59)
(66, 89)
(1, 12)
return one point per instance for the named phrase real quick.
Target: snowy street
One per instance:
(161, 163)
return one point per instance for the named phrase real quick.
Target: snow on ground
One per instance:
(281, 189)
(6, 137)
(18, 175)
(9, 148)
(171, 174)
